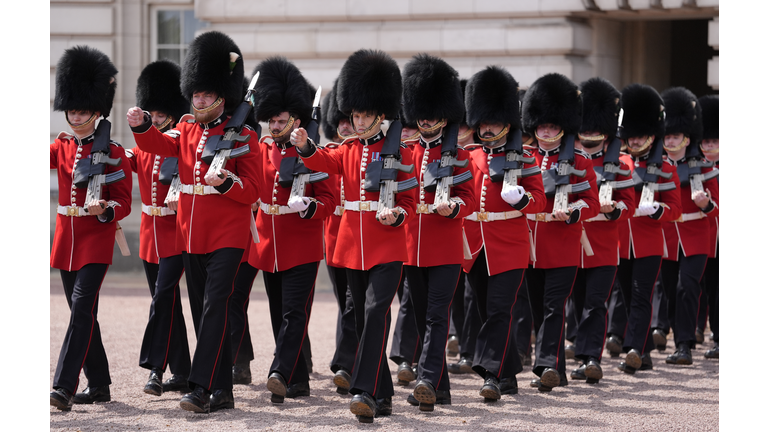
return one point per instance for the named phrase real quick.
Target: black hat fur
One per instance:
(158, 89)
(683, 113)
(710, 116)
(431, 90)
(282, 87)
(643, 112)
(555, 99)
(207, 68)
(85, 80)
(331, 116)
(370, 81)
(600, 107)
(492, 97)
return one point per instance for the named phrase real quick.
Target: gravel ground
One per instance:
(666, 398)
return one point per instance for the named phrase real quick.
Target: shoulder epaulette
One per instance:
(582, 153)
(188, 118)
(64, 135)
(403, 145)
(115, 143)
(331, 145)
(249, 128)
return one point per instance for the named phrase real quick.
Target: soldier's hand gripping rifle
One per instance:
(293, 172)
(381, 175)
(509, 168)
(438, 176)
(92, 175)
(691, 170)
(649, 176)
(220, 148)
(606, 175)
(560, 177)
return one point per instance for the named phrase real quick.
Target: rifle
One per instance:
(649, 176)
(560, 177)
(220, 148)
(510, 167)
(438, 176)
(381, 175)
(293, 172)
(606, 175)
(169, 174)
(691, 170)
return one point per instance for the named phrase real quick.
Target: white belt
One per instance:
(599, 218)
(685, 217)
(425, 208)
(156, 211)
(361, 205)
(541, 217)
(493, 216)
(339, 211)
(75, 211)
(276, 209)
(199, 190)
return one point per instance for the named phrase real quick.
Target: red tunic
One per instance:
(693, 236)
(646, 236)
(433, 239)
(287, 240)
(506, 242)
(557, 244)
(207, 222)
(603, 234)
(333, 221)
(78, 241)
(363, 242)
(157, 236)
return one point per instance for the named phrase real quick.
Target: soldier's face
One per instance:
(279, 122)
(426, 124)
(361, 121)
(201, 100)
(711, 148)
(158, 118)
(78, 117)
(673, 140)
(548, 130)
(490, 130)
(345, 127)
(407, 132)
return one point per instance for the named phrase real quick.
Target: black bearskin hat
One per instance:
(683, 113)
(555, 99)
(431, 90)
(85, 80)
(600, 107)
(214, 64)
(331, 116)
(370, 81)
(643, 112)
(491, 97)
(282, 87)
(710, 116)
(463, 84)
(407, 122)
(158, 89)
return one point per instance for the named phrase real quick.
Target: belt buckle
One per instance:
(274, 209)
(423, 208)
(72, 211)
(541, 217)
(339, 210)
(482, 216)
(365, 206)
(198, 190)
(155, 211)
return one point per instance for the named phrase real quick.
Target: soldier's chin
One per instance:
(591, 144)
(205, 117)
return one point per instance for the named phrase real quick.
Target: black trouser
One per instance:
(660, 318)
(712, 288)
(572, 315)
(432, 290)
(523, 320)
(346, 322)
(496, 347)
(471, 321)
(82, 347)
(406, 343)
(210, 281)
(242, 346)
(457, 309)
(373, 291)
(165, 337)
(682, 289)
(617, 313)
(590, 296)
(548, 290)
(638, 277)
(291, 293)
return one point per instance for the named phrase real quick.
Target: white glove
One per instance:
(648, 209)
(514, 195)
(298, 203)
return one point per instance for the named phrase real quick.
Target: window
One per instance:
(174, 30)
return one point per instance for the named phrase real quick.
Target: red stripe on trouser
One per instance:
(170, 330)
(90, 335)
(509, 329)
(218, 353)
(306, 326)
(562, 326)
(384, 340)
(650, 321)
(245, 318)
